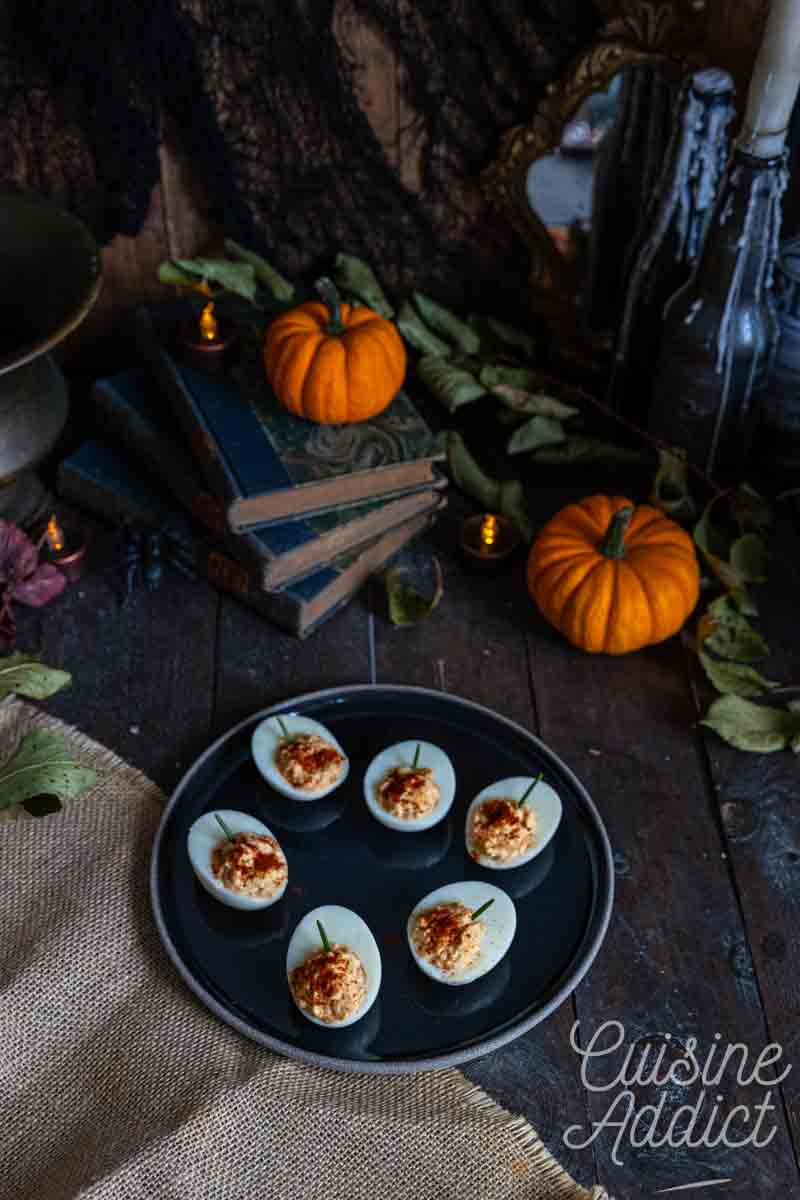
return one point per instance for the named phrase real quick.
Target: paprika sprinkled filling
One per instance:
(448, 937)
(252, 865)
(409, 792)
(502, 829)
(308, 762)
(330, 985)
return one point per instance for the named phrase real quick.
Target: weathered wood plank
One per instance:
(675, 961)
(258, 665)
(757, 803)
(142, 672)
(474, 647)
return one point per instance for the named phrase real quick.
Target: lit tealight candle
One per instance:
(64, 548)
(488, 533)
(488, 539)
(206, 339)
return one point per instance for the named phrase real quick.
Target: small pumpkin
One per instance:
(334, 363)
(613, 577)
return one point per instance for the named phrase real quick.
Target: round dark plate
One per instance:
(338, 854)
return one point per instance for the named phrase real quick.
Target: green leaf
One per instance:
(670, 490)
(417, 334)
(42, 765)
(493, 495)
(521, 378)
(502, 334)
(514, 505)
(743, 602)
(273, 281)
(406, 605)
(731, 635)
(735, 679)
(448, 324)
(452, 386)
(749, 557)
(357, 277)
(753, 514)
(239, 278)
(749, 726)
(536, 432)
(580, 449)
(533, 404)
(714, 547)
(26, 676)
(169, 273)
(469, 476)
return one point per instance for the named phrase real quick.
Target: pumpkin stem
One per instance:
(326, 290)
(613, 544)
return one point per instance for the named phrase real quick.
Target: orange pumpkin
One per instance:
(613, 577)
(332, 362)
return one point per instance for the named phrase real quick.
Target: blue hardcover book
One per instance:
(128, 410)
(268, 465)
(101, 479)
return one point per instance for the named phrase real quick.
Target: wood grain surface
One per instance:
(706, 839)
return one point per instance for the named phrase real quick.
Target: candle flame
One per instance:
(208, 323)
(55, 534)
(488, 531)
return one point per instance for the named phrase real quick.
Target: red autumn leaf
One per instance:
(22, 576)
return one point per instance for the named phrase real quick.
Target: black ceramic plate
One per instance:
(338, 854)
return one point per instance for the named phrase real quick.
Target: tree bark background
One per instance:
(178, 224)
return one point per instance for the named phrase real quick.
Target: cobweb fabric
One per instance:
(264, 100)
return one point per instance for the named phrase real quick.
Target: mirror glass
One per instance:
(560, 185)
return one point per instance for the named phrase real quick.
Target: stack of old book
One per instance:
(289, 516)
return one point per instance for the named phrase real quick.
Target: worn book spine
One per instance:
(124, 412)
(98, 479)
(266, 465)
(167, 375)
(165, 460)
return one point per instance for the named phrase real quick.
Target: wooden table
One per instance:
(703, 940)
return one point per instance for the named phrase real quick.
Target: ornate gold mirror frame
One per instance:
(665, 35)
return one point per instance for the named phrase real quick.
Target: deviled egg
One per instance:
(298, 757)
(459, 932)
(237, 859)
(512, 821)
(410, 786)
(333, 966)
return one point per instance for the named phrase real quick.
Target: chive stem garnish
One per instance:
(282, 724)
(530, 789)
(416, 755)
(231, 837)
(326, 946)
(482, 909)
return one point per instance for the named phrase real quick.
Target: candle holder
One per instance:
(64, 545)
(206, 341)
(488, 540)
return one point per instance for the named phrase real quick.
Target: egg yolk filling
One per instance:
(331, 985)
(502, 829)
(447, 937)
(409, 792)
(253, 865)
(308, 762)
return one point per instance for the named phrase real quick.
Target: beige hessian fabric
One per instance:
(116, 1083)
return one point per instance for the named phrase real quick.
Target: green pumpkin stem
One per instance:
(326, 290)
(613, 544)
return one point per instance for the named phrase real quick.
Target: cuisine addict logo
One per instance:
(689, 1109)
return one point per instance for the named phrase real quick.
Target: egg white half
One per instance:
(500, 921)
(267, 737)
(205, 835)
(543, 800)
(402, 755)
(345, 927)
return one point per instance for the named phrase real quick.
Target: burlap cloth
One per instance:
(116, 1083)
